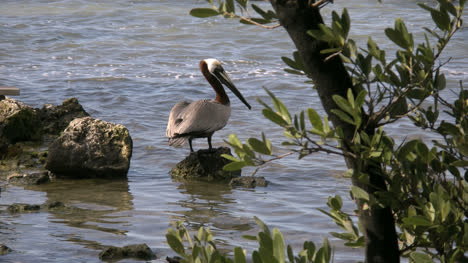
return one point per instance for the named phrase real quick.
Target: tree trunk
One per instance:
(331, 78)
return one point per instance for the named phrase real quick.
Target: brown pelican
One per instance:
(200, 119)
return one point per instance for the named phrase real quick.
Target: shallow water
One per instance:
(129, 62)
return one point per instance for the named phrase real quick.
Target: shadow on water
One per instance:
(90, 205)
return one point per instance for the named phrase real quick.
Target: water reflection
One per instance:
(89, 204)
(209, 204)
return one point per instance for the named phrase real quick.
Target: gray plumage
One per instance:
(197, 119)
(200, 119)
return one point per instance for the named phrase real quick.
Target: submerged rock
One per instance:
(91, 148)
(4, 249)
(21, 208)
(55, 118)
(25, 208)
(204, 165)
(249, 182)
(139, 251)
(29, 178)
(18, 122)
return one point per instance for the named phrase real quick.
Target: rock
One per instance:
(174, 259)
(3, 147)
(52, 205)
(56, 118)
(24, 208)
(4, 249)
(18, 122)
(249, 181)
(139, 251)
(29, 178)
(19, 208)
(204, 165)
(91, 148)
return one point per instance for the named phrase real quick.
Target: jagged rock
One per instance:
(204, 165)
(18, 122)
(55, 118)
(20, 208)
(249, 182)
(139, 251)
(4, 249)
(91, 148)
(29, 178)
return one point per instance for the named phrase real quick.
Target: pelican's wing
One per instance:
(203, 116)
(174, 119)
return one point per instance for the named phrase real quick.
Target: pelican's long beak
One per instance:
(224, 78)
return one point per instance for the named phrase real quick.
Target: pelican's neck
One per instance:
(221, 95)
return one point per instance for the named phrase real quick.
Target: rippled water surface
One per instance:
(129, 62)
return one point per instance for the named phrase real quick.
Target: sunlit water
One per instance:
(129, 62)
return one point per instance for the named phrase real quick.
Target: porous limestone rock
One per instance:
(138, 251)
(18, 122)
(204, 165)
(90, 147)
(55, 118)
(248, 182)
(34, 178)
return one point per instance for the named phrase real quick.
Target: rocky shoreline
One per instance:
(60, 140)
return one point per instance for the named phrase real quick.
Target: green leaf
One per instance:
(234, 141)
(234, 166)
(295, 72)
(280, 107)
(291, 63)
(360, 98)
(314, 119)
(230, 7)
(258, 146)
(343, 116)
(400, 35)
(175, 244)
(249, 237)
(229, 157)
(203, 12)
(290, 254)
(419, 257)
(406, 149)
(359, 193)
(441, 19)
(278, 246)
(343, 104)
(262, 225)
(266, 15)
(239, 256)
(417, 221)
(274, 117)
(242, 3)
(460, 163)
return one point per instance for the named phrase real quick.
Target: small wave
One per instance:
(99, 79)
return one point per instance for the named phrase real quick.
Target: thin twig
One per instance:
(251, 21)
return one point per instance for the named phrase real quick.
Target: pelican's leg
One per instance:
(190, 143)
(210, 148)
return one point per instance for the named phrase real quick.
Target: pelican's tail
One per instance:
(177, 141)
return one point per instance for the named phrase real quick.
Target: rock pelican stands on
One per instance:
(200, 119)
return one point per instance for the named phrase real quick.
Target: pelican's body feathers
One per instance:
(196, 119)
(200, 119)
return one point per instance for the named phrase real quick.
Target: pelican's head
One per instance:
(215, 69)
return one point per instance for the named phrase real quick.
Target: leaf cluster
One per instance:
(271, 247)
